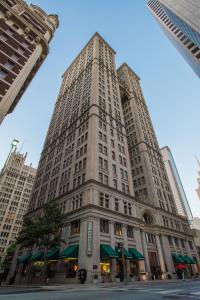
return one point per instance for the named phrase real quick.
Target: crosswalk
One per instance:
(180, 292)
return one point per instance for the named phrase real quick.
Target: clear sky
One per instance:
(171, 88)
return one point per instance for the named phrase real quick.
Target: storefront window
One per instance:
(71, 268)
(105, 268)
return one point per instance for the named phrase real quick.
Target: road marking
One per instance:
(169, 291)
(195, 293)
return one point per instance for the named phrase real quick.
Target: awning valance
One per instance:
(37, 256)
(136, 255)
(52, 253)
(106, 251)
(24, 258)
(70, 252)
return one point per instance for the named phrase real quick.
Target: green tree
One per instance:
(43, 231)
(5, 265)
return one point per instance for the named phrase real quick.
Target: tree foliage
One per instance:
(43, 231)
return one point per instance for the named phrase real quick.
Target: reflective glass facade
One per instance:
(180, 20)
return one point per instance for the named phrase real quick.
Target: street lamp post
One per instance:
(121, 250)
(14, 144)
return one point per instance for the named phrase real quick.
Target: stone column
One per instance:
(145, 252)
(86, 260)
(128, 268)
(167, 255)
(160, 257)
(113, 269)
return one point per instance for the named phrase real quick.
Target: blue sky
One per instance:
(171, 88)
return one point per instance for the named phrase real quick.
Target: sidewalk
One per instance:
(78, 286)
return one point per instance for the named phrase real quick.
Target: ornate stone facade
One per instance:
(102, 164)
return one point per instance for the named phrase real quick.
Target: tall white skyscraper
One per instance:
(180, 198)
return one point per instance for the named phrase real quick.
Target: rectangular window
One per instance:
(101, 199)
(106, 179)
(115, 183)
(114, 169)
(170, 240)
(9, 65)
(104, 226)
(3, 73)
(118, 229)
(125, 207)
(116, 204)
(176, 242)
(130, 233)
(75, 227)
(101, 177)
(100, 162)
(190, 245)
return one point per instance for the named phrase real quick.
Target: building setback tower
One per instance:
(198, 180)
(180, 198)
(16, 182)
(25, 32)
(180, 20)
(85, 167)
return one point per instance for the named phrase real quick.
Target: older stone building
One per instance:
(16, 183)
(102, 164)
(25, 32)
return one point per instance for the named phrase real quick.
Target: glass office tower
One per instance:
(180, 20)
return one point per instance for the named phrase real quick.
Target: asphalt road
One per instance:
(151, 291)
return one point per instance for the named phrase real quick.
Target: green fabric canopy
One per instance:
(24, 258)
(52, 253)
(177, 259)
(136, 255)
(188, 260)
(37, 256)
(106, 251)
(70, 252)
(125, 252)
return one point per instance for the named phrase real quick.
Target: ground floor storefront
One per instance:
(115, 265)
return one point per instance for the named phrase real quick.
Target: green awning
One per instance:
(190, 260)
(127, 254)
(24, 258)
(37, 256)
(177, 259)
(185, 259)
(70, 252)
(52, 253)
(106, 251)
(136, 255)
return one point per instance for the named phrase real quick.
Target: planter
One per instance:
(95, 281)
(143, 276)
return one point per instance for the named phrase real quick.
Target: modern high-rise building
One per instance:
(25, 33)
(198, 180)
(180, 20)
(101, 163)
(180, 198)
(16, 182)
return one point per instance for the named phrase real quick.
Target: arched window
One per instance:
(147, 218)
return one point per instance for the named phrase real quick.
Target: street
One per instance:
(141, 291)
